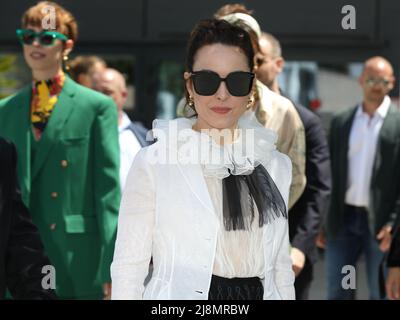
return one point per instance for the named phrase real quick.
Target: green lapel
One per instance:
(22, 139)
(61, 112)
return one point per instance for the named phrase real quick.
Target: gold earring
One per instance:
(65, 60)
(250, 103)
(191, 102)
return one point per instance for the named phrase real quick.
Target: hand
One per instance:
(298, 260)
(321, 240)
(107, 291)
(385, 238)
(393, 284)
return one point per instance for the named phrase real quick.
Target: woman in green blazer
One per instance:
(67, 142)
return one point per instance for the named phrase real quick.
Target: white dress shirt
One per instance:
(363, 141)
(129, 146)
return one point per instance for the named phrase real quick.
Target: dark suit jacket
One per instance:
(307, 213)
(385, 182)
(140, 133)
(394, 252)
(21, 250)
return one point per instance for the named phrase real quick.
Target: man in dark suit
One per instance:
(306, 214)
(22, 257)
(365, 151)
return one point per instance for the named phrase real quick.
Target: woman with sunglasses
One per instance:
(67, 142)
(208, 201)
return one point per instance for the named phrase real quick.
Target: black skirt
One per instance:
(235, 289)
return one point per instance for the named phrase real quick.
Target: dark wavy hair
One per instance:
(212, 31)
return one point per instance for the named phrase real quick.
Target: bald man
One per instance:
(365, 158)
(132, 135)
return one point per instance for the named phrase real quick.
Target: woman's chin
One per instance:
(38, 65)
(223, 126)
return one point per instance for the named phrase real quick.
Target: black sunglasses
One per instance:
(206, 83)
(45, 38)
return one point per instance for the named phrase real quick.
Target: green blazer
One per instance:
(385, 181)
(72, 184)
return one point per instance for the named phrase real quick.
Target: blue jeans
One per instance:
(353, 239)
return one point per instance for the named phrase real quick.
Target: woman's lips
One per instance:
(37, 55)
(221, 110)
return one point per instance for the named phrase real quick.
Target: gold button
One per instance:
(64, 163)
(53, 226)
(54, 194)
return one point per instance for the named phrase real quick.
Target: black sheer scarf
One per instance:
(240, 192)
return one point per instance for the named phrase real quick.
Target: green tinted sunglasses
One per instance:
(45, 38)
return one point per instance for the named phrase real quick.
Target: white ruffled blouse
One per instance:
(239, 253)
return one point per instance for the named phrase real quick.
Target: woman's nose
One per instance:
(222, 92)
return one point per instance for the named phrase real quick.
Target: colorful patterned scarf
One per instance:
(44, 98)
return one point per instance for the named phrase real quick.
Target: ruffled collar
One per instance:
(255, 145)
